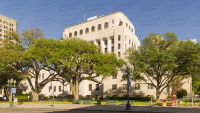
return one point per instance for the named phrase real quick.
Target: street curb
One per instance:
(86, 110)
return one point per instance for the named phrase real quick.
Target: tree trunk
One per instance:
(157, 95)
(35, 96)
(76, 94)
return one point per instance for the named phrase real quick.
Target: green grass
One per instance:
(103, 102)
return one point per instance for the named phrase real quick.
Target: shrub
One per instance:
(131, 98)
(23, 97)
(181, 93)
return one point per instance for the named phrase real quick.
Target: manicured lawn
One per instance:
(136, 103)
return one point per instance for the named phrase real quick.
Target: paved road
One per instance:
(90, 108)
(8, 110)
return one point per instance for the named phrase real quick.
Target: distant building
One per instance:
(6, 24)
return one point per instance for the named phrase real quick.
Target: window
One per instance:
(118, 54)
(59, 88)
(97, 87)
(0, 91)
(113, 21)
(99, 43)
(129, 41)
(106, 50)
(75, 33)
(81, 32)
(12, 29)
(126, 25)
(105, 42)
(87, 30)
(118, 46)
(112, 49)
(39, 77)
(150, 86)
(0, 25)
(129, 27)
(0, 20)
(49, 88)
(4, 22)
(125, 46)
(12, 25)
(106, 25)
(4, 27)
(132, 30)
(137, 86)
(124, 86)
(120, 23)
(90, 87)
(0, 30)
(0, 35)
(125, 38)
(54, 89)
(119, 36)
(114, 86)
(42, 76)
(93, 28)
(99, 27)
(114, 76)
(112, 41)
(70, 35)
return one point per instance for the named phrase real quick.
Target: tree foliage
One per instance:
(76, 60)
(161, 58)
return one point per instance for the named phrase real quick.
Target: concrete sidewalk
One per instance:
(93, 107)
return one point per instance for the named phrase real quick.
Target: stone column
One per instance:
(109, 44)
(102, 45)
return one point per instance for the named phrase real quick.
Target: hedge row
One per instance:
(131, 98)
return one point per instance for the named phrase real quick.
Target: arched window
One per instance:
(99, 27)
(126, 25)
(70, 35)
(75, 33)
(81, 32)
(87, 30)
(106, 25)
(129, 27)
(132, 30)
(93, 28)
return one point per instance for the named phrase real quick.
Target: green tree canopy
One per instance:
(161, 58)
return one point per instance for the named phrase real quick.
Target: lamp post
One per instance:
(52, 74)
(10, 84)
(127, 70)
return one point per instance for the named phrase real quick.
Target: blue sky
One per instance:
(147, 16)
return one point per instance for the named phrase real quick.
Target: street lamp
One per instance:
(127, 70)
(10, 84)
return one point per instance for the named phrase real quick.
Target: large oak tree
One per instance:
(161, 58)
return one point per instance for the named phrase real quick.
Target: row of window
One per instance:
(97, 87)
(54, 88)
(137, 86)
(87, 30)
(6, 27)
(114, 87)
(6, 23)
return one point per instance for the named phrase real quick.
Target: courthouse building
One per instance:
(115, 33)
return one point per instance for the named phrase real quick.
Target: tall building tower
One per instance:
(7, 24)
